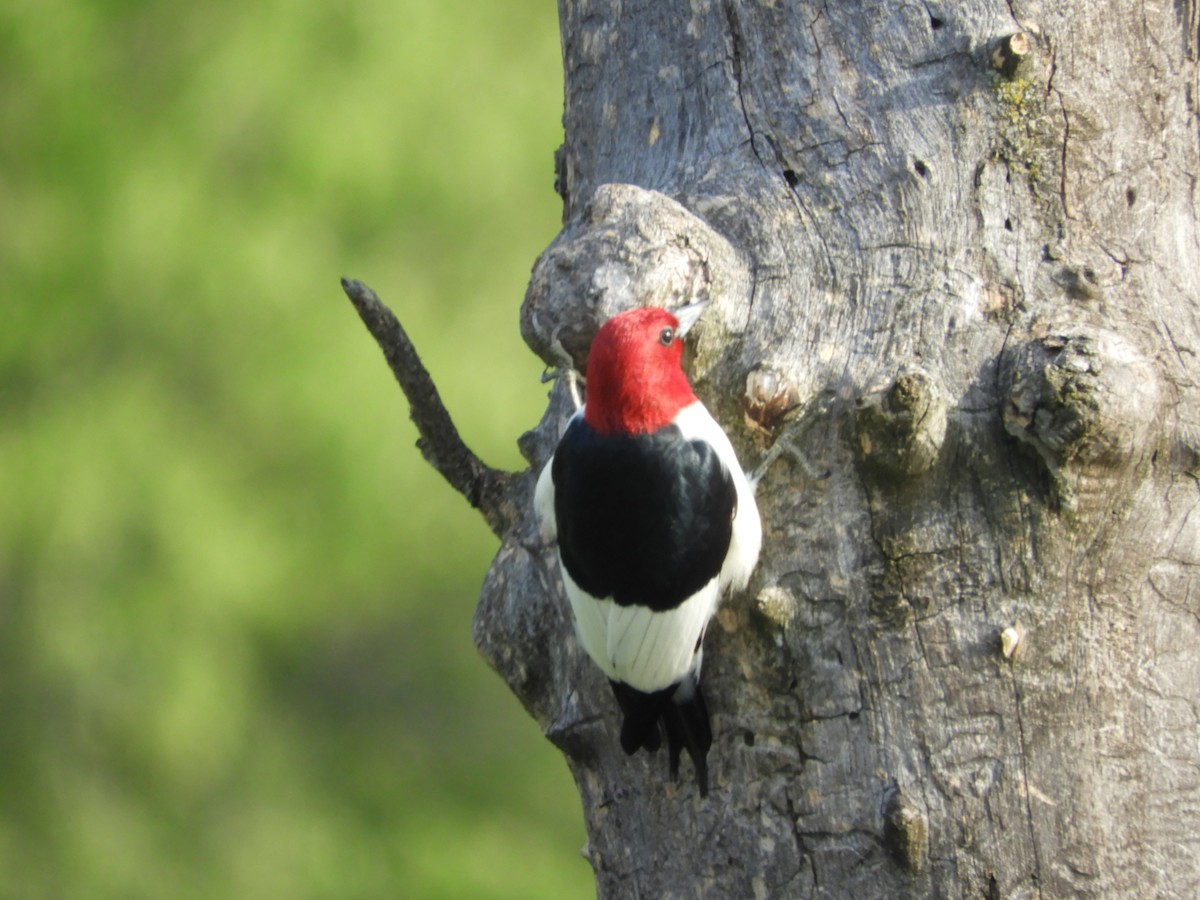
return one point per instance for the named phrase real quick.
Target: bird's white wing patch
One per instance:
(646, 650)
(652, 650)
(591, 622)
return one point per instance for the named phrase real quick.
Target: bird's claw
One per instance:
(564, 369)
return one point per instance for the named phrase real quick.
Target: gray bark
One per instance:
(959, 274)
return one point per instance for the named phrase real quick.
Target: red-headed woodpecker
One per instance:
(655, 521)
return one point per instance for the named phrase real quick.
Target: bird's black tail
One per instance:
(684, 717)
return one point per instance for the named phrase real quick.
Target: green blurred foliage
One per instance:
(235, 605)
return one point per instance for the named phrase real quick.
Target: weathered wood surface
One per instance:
(982, 290)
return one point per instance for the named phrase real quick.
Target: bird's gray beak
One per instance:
(687, 316)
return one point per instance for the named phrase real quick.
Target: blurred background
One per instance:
(235, 605)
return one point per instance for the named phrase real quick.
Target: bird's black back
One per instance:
(644, 519)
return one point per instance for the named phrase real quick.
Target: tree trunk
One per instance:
(953, 255)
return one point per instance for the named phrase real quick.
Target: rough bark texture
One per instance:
(959, 272)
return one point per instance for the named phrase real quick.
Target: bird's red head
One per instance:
(635, 382)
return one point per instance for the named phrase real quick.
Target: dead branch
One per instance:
(485, 488)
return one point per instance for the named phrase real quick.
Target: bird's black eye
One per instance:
(666, 336)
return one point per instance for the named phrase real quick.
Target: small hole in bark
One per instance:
(1008, 224)
(791, 177)
(935, 23)
(1130, 196)
(854, 716)
(921, 168)
(748, 737)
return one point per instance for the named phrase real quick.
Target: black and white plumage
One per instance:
(655, 522)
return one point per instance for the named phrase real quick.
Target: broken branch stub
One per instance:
(1087, 401)
(902, 425)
